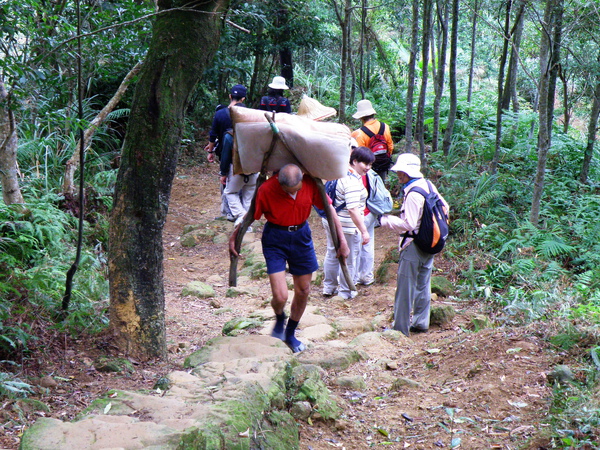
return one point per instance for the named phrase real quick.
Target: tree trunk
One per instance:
(182, 45)
(344, 22)
(9, 170)
(591, 136)
(412, 64)
(549, 60)
(503, 57)
(443, 12)
(73, 162)
(452, 69)
(420, 125)
(361, 49)
(473, 46)
(285, 54)
(511, 77)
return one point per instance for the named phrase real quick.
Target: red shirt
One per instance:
(281, 208)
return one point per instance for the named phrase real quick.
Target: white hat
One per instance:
(363, 109)
(313, 109)
(408, 163)
(278, 83)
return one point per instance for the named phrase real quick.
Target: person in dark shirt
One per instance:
(220, 124)
(274, 101)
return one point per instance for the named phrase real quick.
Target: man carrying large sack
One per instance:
(286, 200)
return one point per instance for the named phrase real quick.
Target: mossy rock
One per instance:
(198, 289)
(480, 322)
(388, 266)
(442, 286)
(306, 385)
(441, 315)
(561, 374)
(106, 364)
(356, 383)
(193, 238)
(237, 325)
(191, 227)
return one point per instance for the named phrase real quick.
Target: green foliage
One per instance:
(12, 387)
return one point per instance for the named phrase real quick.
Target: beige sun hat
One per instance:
(310, 108)
(364, 108)
(278, 83)
(408, 163)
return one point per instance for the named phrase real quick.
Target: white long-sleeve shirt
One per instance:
(410, 212)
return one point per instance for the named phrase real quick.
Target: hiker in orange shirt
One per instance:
(375, 135)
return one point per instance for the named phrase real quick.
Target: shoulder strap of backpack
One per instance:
(381, 128)
(368, 132)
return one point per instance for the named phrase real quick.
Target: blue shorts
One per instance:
(295, 247)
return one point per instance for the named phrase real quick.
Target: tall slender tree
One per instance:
(503, 58)
(11, 191)
(452, 69)
(442, 14)
(420, 125)
(473, 52)
(183, 43)
(549, 61)
(592, 128)
(412, 64)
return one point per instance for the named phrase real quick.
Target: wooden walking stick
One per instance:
(249, 217)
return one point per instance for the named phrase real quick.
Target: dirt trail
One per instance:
(483, 389)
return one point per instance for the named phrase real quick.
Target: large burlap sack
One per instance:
(321, 148)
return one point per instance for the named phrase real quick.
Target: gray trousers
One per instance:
(413, 290)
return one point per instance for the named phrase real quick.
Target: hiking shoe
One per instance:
(278, 334)
(366, 283)
(294, 344)
(417, 330)
(349, 296)
(328, 293)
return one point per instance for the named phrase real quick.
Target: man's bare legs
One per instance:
(280, 295)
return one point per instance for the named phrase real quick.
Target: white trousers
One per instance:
(331, 265)
(366, 258)
(238, 192)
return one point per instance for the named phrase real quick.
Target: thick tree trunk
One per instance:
(412, 63)
(452, 69)
(182, 45)
(549, 60)
(73, 162)
(9, 170)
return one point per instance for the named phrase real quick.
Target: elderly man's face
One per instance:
(402, 177)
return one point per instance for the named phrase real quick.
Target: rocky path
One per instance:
(466, 383)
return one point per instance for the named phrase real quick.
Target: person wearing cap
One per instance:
(366, 114)
(274, 101)
(413, 288)
(220, 124)
(286, 200)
